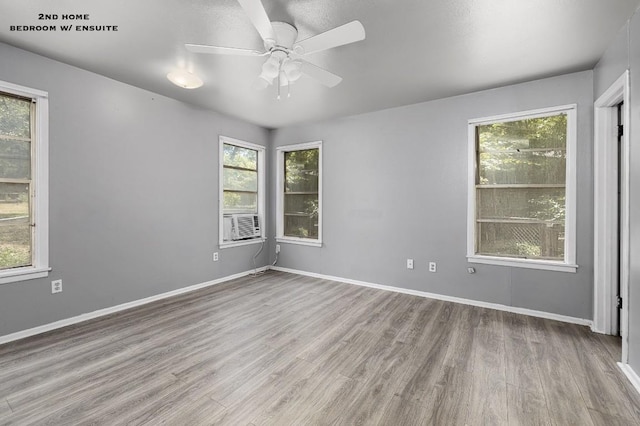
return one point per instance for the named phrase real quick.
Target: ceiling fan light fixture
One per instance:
(266, 78)
(271, 68)
(292, 70)
(294, 75)
(262, 83)
(284, 80)
(185, 79)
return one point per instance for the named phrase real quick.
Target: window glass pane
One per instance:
(301, 170)
(300, 227)
(15, 232)
(240, 202)
(240, 157)
(526, 167)
(541, 132)
(15, 159)
(537, 204)
(301, 202)
(301, 215)
(521, 240)
(527, 221)
(523, 151)
(15, 116)
(240, 180)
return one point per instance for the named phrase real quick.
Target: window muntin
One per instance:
(520, 187)
(242, 187)
(300, 199)
(24, 251)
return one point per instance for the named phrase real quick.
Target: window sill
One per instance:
(299, 241)
(23, 274)
(240, 243)
(524, 263)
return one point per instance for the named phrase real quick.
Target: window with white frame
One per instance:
(242, 190)
(522, 174)
(24, 237)
(299, 202)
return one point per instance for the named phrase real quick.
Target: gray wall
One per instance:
(624, 53)
(395, 187)
(133, 194)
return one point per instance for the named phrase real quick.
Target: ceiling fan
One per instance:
(285, 63)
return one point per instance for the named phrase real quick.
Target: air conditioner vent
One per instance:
(244, 226)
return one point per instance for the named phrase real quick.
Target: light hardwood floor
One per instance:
(282, 349)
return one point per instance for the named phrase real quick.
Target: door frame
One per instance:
(606, 214)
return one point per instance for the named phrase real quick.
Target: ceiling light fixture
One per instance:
(262, 82)
(292, 70)
(279, 66)
(185, 79)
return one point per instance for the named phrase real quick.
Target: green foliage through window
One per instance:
(240, 179)
(15, 182)
(301, 200)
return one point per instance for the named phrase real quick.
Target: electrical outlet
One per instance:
(471, 270)
(56, 286)
(215, 256)
(277, 248)
(432, 266)
(409, 263)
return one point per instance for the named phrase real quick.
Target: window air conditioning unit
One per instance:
(242, 226)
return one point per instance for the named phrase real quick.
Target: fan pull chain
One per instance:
(279, 74)
(278, 87)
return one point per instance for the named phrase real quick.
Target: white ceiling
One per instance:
(415, 50)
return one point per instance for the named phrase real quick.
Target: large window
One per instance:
(522, 189)
(23, 183)
(242, 192)
(300, 194)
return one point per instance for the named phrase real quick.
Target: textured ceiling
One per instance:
(415, 50)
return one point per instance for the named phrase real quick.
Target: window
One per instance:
(24, 244)
(522, 189)
(300, 194)
(242, 192)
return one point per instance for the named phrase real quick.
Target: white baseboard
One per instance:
(631, 375)
(481, 304)
(107, 311)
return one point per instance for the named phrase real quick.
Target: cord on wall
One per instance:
(255, 268)
(277, 253)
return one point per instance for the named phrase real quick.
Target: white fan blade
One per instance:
(325, 77)
(339, 36)
(258, 17)
(201, 48)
